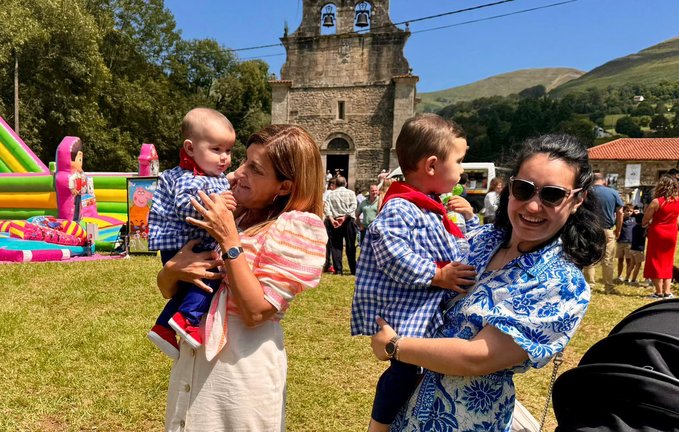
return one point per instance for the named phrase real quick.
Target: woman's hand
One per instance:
(188, 266)
(217, 218)
(379, 340)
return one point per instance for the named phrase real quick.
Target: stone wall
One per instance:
(279, 101)
(344, 59)
(650, 172)
(367, 124)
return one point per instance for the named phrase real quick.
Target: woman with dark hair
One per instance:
(491, 200)
(530, 295)
(661, 219)
(273, 248)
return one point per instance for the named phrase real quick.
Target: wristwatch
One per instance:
(391, 348)
(232, 253)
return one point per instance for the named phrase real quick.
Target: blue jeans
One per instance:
(190, 300)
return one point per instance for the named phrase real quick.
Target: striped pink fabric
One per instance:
(286, 259)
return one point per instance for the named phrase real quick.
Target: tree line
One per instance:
(117, 73)
(495, 125)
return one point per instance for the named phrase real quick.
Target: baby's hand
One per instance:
(455, 276)
(460, 205)
(229, 200)
(231, 178)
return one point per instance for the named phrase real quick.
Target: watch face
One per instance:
(390, 348)
(233, 252)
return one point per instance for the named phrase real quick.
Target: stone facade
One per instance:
(351, 90)
(651, 170)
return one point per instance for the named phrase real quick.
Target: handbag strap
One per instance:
(557, 360)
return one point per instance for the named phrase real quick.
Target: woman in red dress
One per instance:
(662, 214)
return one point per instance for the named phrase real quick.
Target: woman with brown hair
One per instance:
(492, 200)
(661, 219)
(273, 248)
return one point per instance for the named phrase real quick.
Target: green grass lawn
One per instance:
(611, 119)
(75, 356)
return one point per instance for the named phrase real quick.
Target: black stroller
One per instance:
(628, 381)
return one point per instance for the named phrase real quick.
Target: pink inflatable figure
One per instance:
(148, 161)
(75, 190)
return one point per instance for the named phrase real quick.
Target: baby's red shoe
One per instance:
(165, 339)
(186, 331)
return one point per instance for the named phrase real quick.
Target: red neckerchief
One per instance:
(405, 191)
(187, 163)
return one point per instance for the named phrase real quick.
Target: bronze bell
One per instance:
(328, 20)
(362, 19)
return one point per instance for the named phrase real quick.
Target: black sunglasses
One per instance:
(550, 196)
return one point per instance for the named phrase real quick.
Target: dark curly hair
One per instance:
(583, 234)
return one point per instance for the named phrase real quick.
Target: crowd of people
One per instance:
(631, 230)
(457, 310)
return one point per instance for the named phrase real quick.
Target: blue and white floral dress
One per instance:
(538, 299)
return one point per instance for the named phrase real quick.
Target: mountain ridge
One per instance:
(651, 65)
(498, 85)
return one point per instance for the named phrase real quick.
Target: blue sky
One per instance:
(582, 34)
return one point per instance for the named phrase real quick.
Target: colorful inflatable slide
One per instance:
(28, 190)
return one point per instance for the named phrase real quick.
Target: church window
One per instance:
(340, 110)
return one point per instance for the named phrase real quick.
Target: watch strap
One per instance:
(394, 343)
(396, 340)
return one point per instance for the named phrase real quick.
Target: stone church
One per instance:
(347, 82)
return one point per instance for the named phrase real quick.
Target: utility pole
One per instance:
(16, 91)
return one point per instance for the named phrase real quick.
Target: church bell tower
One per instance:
(347, 82)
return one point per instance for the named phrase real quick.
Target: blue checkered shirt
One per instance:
(395, 269)
(168, 229)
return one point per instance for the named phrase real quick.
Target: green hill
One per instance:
(649, 66)
(498, 85)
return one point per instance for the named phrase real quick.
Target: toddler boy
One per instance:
(204, 156)
(636, 249)
(625, 242)
(412, 253)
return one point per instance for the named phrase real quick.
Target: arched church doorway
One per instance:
(337, 160)
(338, 164)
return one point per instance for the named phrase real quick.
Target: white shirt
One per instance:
(490, 203)
(340, 202)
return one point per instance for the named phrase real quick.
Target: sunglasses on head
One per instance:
(550, 196)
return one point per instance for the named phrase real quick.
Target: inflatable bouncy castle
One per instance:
(40, 210)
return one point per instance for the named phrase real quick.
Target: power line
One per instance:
(469, 9)
(444, 27)
(496, 16)
(262, 56)
(257, 47)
